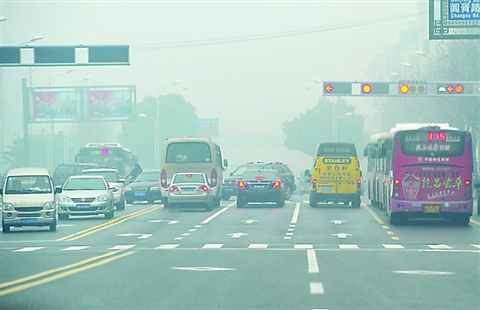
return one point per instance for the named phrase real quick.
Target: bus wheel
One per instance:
(356, 203)
(463, 220)
(313, 202)
(395, 218)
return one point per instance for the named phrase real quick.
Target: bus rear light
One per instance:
(314, 181)
(213, 178)
(467, 182)
(397, 181)
(277, 184)
(241, 185)
(163, 178)
(359, 181)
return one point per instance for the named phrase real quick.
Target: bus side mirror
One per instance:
(58, 189)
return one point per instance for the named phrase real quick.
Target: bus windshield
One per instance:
(188, 152)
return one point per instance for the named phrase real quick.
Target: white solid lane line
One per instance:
(295, 213)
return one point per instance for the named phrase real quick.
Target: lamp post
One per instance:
(335, 124)
(155, 137)
(50, 78)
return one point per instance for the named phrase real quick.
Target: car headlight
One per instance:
(49, 205)
(154, 188)
(63, 198)
(8, 206)
(102, 198)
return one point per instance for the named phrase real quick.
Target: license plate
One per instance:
(258, 186)
(431, 209)
(139, 194)
(326, 189)
(83, 206)
(228, 189)
(188, 189)
(26, 221)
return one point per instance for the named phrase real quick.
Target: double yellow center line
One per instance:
(113, 222)
(58, 273)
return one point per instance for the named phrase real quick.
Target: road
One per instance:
(260, 257)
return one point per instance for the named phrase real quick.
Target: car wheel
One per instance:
(5, 228)
(53, 227)
(209, 206)
(62, 216)
(288, 192)
(241, 203)
(121, 204)
(280, 203)
(110, 214)
(129, 201)
(165, 203)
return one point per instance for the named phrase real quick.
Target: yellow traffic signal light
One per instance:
(413, 88)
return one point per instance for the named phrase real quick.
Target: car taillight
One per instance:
(277, 184)
(163, 178)
(173, 189)
(359, 181)
(241, 185)
(203, 188)
(213, 178)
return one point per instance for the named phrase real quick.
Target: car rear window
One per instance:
(188, 178)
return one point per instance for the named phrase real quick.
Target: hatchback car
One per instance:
(85, 195)
(261, 185)
(190, 189)
(287, 176)
(145, 187)
(114, 180)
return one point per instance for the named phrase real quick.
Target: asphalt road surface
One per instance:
(259, 257)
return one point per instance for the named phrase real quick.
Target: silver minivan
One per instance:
(28, 199)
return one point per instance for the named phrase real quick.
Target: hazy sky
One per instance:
(251, 85)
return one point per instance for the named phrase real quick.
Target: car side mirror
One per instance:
(58, 189)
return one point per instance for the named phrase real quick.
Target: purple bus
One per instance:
(427, 173)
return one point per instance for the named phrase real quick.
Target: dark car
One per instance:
(287, 176)
(145, 187)
(261, 185)
(64, 171)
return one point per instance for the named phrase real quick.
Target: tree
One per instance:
(319, 123)
(176, 118)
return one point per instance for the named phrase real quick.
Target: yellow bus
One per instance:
(336, 175)
(192, 155)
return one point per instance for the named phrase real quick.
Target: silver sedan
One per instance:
(190, 189)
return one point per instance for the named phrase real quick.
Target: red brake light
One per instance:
(359, 181)
(277, 184)
(241, 185)
(259, 177)
(203, 188)
(314, 181)
(467, 182)
(172, 189)
(163, 178)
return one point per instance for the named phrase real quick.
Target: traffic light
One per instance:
(337, 88)
(412, 88)
(375, 88)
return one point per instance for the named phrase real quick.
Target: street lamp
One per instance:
(335, 124)
(2, 18)
(58, 75)
(34, 39)
(155, 137)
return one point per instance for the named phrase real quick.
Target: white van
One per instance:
(28, 199)
(192, 155)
